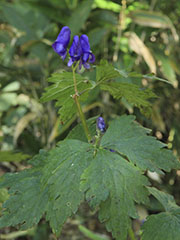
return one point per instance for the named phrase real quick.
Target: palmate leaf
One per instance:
(50, 187)
(62, 91)
(62, 174)
(132, 93)
(115, 184)
(27, 201)
(55, 186)
(106, 71)
(131, 140)
(164, 225)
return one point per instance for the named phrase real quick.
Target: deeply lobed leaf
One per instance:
(56, 184)
(131, 140)
(164, 225)
(132, 93)
(27, 202)
(51, 187)
(62, 176)
(62, 91)
(115, 184)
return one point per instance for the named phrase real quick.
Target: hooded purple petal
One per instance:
(62, 41)
(75, 50)
(85, 43)
(80, 51)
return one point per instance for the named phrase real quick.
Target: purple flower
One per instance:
(101, 124)
(80, 51)
(62, 41)
(87, 54)
(75, 51)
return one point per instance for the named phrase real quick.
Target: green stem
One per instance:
(81, 114)
(131, 234)
(13, 235)
(97, 141)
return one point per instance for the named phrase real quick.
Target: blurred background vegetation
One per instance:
(135, 36)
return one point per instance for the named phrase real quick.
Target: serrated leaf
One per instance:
(130, 139)
(132, 93)
(62, 176)
(162, 226)
(78, 133)
(165, 199)
(51, 187)
(62, 91)
(27, 201)
(106, 71)
(110, 182)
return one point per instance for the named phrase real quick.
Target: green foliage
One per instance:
(78, 133)
(135, 95)
(62, 176)
(62, 90)
(164, 225)
(53, 188)
(105, 72)
(130, 139)
(27, 202)
(109, 181)
(82, 12)
(59, 179)
(7, 156)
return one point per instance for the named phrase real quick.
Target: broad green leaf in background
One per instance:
(79, 16)
(96, 36)
(164, 225)
(153, 19)
(7, 156)
(109, 5)
(113, 183)
(165, 199)
(166, 69)
(130, 139)
(7, 100)
(138, 46)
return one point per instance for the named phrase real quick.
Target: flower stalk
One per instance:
(81, 114)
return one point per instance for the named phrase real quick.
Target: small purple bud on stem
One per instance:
(101, 124)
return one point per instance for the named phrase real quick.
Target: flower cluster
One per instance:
(79, 50)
